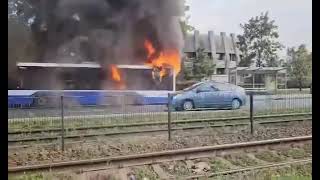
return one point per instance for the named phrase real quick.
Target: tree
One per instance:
(258, 43)
(184, 21)
(299, 64)
(202, 66)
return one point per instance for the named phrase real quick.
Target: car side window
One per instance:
(214, 88)
(205, 88)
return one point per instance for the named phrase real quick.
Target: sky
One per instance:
(293, 17)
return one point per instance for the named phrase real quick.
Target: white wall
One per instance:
(220, 78)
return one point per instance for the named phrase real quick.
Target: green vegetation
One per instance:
(259, 42)
(299, 64)
(218, 165)
(145, 173)
(241, 160)
(178, 169)
(42, 176)
(202, 66)
(295, 153)
(27, 177)
(293, 172)
(270, 157)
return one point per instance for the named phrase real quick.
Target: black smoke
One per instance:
(105, 31)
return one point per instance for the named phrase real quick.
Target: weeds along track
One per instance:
(40, 135)
(172, 155)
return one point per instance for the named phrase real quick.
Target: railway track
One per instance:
(227, 122)
(33, 131)
(116, 162)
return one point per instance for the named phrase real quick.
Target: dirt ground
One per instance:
(202, 167)
(124, 145)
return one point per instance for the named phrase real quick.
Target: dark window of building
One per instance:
(210, 55)
(238, 45)
(233, 57)
(191, 54)
(220, 56)
(220, 71)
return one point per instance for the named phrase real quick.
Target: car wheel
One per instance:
(235, 104)
(187, 105)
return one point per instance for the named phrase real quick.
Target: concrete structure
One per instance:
(222, 49)
(259, 78)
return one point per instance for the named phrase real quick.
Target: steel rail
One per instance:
(156, 123)
(151, 130)
(162, 156)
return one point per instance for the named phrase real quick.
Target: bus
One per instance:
(39, 84)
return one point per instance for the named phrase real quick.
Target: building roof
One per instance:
(258, 69)
(78, 65)
(204, 42)
(62, 65)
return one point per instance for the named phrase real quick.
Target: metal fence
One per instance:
(64, 119)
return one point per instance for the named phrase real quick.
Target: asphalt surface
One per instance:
(261, 103)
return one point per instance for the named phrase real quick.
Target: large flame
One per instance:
(167, 58)
(116, 77)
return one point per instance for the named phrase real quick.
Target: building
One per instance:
(221, 48)
(259, 78)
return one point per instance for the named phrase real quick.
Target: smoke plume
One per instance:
(107, 31)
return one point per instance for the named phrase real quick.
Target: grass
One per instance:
(293, 172)
(293, 91)
(218, 165)
(27, 177)
(177, 168)
(241, 160)
(41, 176)
(270, 157)
(308, 148)
(295, 153)
(180, 169)
(145, 172)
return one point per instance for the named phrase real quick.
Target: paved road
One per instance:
(261, 103)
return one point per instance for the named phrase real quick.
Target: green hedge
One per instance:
(295, 84)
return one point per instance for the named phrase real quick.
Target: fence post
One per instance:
(169, 116)
(251, 113)
(62, 123)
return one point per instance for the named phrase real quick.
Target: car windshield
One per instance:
(192, 87)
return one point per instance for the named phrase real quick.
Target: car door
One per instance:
(202, 95)
(206, 96)
(215, 97)
(223, 96)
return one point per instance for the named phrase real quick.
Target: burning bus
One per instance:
(102, 45)
(88, 76)
(84, 85)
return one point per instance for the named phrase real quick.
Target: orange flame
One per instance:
(149, 47)
(166, 58)
(116, 76)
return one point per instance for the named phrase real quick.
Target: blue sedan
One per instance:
(210, 95)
